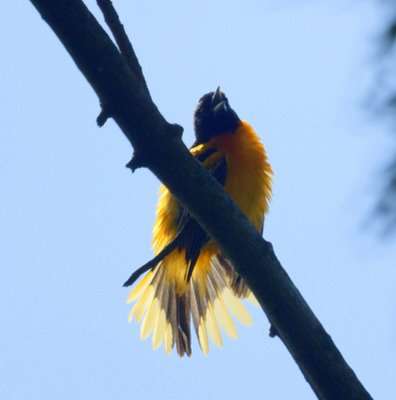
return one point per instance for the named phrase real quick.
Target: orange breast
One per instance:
(248, 171)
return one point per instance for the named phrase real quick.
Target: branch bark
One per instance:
(158, 146)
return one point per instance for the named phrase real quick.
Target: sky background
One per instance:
(74, 222)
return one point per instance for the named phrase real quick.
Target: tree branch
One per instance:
(122, 40)
(158, 146)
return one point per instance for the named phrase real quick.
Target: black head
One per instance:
(214, 116)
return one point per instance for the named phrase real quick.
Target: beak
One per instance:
(218, 101)
(217, 97)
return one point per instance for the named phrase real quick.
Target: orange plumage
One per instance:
(189, 276)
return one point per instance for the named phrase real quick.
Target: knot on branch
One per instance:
(177, 130)
(102, 118)
(273, 332)
(137, 161)
(104, 115)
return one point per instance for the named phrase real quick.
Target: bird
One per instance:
(189, 278)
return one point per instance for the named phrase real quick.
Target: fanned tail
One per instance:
(162, 312)
(234, 280)
(209, 299)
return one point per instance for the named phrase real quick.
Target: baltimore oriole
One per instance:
(188, 275)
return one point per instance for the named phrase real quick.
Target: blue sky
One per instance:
(74, 222)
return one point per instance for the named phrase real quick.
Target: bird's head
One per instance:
(214, 116)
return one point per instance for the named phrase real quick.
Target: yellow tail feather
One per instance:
(207, 298)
